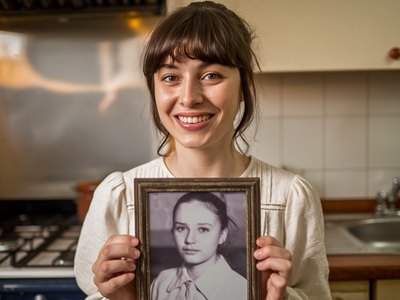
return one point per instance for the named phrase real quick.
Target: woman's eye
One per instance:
(203, 230)
(180, 228)
(212, 76)
(170, 78)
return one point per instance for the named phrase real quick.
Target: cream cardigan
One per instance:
(290, 212)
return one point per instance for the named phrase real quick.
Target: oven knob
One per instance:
(39, 297)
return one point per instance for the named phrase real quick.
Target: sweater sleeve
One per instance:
(107, 215)
(305, 239)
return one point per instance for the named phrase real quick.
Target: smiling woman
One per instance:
(199, 65)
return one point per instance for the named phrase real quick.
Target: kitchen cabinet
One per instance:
(386, 289)
(313, 35)
(349, 290)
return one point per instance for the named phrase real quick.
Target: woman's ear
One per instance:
(223, 236)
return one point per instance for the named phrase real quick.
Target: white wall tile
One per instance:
(302, 143)
(385, 92)
(346, 93)
(267, 144)
(298, 123)
(268, 93)
(302, 94)
(381, 179)
(350, 184)
(384, 142)
(316, 178)
(345, 142)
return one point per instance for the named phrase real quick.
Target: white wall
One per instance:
(339, 130)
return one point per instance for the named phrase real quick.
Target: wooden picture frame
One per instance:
(160, 236)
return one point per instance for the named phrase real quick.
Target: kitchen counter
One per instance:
(360, 267)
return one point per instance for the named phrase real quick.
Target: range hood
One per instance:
(78, 8)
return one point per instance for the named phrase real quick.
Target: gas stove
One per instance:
(35, 245)
(37, 249)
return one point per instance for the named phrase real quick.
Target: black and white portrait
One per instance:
(197, 243)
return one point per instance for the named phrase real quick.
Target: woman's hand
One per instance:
(115, 266)
(275, 264)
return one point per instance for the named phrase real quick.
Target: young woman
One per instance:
(199, 69)
(200, 227)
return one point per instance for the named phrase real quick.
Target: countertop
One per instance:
(364, 267)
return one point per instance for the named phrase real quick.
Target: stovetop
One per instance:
(38, 245)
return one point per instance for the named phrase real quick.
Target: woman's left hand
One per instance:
(275, 264)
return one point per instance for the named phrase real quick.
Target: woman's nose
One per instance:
(191, 93)
(190, 237)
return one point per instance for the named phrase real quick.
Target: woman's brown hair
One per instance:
(212, 33)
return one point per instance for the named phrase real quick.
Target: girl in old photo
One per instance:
(200, 229)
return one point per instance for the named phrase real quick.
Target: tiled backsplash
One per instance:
(339, 130)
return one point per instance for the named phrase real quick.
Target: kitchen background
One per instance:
(74, 107)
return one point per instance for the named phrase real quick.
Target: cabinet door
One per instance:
(349, 290)
(387, 289)
(311, 35)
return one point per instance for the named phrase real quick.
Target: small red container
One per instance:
(84, 197)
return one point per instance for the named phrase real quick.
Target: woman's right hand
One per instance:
(115, 267)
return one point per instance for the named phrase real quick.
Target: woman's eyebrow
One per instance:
(204, 64)
(180, 223)
(202, 224)
(168, 66)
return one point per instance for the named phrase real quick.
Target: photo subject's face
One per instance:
(197, 233)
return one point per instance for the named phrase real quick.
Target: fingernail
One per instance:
(260, 242)
(257, 253)
(133, 241)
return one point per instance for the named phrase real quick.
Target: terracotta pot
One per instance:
(84, 197)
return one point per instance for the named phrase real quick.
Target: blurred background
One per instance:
(74, 106)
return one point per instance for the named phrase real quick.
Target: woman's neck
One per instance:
(201, 163)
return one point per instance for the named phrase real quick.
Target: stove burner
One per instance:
(10, 241)
(65, 259)
(38, 240)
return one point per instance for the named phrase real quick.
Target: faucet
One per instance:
(386, 206)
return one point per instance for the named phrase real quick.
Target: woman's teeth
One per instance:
(194, 120)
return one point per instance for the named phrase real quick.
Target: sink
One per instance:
(366, 236)
(378, 233)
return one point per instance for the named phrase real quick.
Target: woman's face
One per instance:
(197, 102)
(197, 233)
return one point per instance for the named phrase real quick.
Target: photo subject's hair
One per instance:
(216, 206)
(209, 32)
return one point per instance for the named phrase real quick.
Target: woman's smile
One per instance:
(194, 122)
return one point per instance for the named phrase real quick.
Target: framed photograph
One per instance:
(197, 238)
